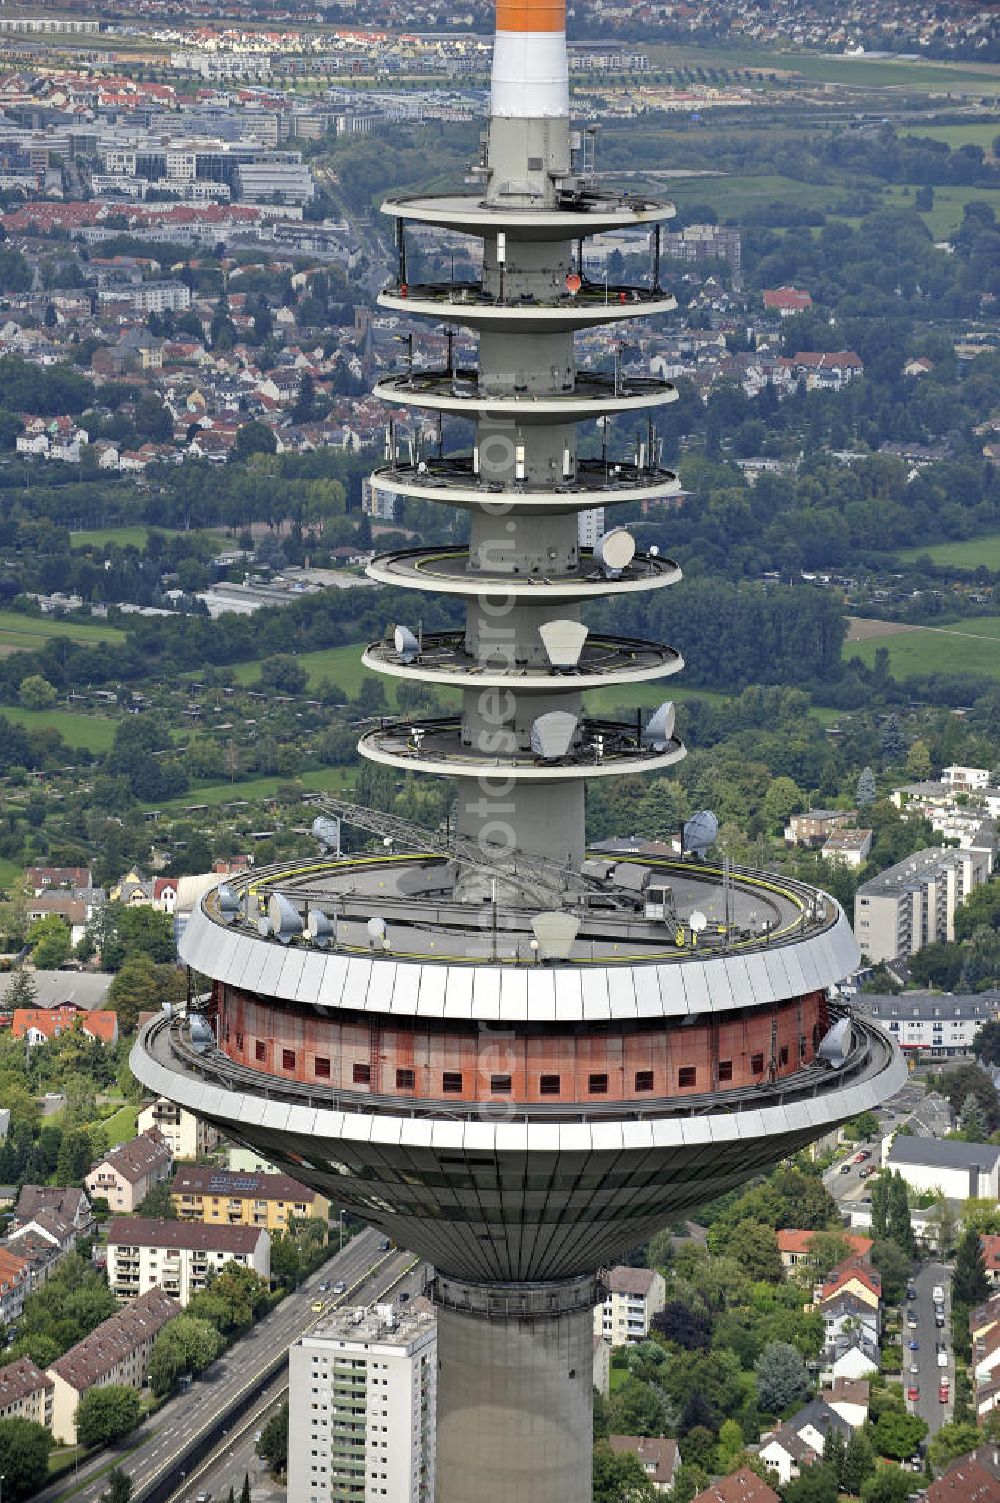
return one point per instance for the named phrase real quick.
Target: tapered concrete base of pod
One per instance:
(515, 1391)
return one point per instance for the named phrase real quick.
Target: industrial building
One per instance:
(517, 1058)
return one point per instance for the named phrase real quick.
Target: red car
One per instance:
(913, 1393)
(944, 1391)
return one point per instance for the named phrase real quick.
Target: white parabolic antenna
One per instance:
(697, 923)
(615, 550)
(405, 643)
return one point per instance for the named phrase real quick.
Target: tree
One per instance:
(938, 964)
(814, 1484)
(273, 1443)
(986, 1044)
(120, 1489)
(894, 1266)
(867, 790)
(755, 1248)
(859, 1462)
(245, 1489)
(783, 798)
(158, 1202)
(21, 991)
(688, 1325)
(105, 1415)
(185, 1345)
(862, 1127)
(254, 437)
(135, 989)
(49, 938)
(972, 1121)
(24, 1457)
(953, 1441)
(970, 1285)
(899, 1227)
(892, 741)
(956, 1084)
(36, 693)
(781, 1377)
(897, 1434)
(286, 1265)
(888, 1485)
(918, 762)
(282, 674)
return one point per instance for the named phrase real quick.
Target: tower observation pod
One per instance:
(517, 1059)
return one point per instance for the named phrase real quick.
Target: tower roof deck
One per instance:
(608, 749)
(446, 571)
(590, 395)
(768, 915)
(604, 661)
(453, 480)
(471, 304)
(578, 215)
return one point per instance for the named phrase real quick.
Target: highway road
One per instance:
(928, 1374)
(236, 1457)
(238, 1371)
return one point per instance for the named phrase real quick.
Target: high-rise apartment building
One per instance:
(362, 1388)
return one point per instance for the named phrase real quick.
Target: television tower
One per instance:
(516, 1059)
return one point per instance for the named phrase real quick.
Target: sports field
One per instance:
(93, 733)
(30, 633)
(969, 646)
(974, 133)
(972, 553)
(949, 203)
(819, 67)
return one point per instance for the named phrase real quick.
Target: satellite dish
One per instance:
(835, 1044)
(320, 928)
(228, 903)
(563, 642)
(552, 734)
(202, 1037)
(659, 728)
(614, 551)
(284, 919)
(405, 643)
(554, 933)
(327, 831)
(377, 937)
(700, 831)
(697, 923)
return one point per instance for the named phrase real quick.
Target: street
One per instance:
(929, 1374)
(237, 1371)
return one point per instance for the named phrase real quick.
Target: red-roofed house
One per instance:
(787, 300)
(743, 1486)
(965, 1482)
(827, 370)
(39, 1024)
(795, 1246)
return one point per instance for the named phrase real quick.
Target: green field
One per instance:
(29, 633)
(89, 732)
(946, 215)
(121, 1126)
(975, 133)
(732, 196)
(970, 646)
(99, 537)
(255, 790)
(337, 665)
(858, 72)
(11, 875)
(969, 554)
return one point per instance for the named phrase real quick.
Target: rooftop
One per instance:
(115, 1339)
(910, 873)
(20, 1379)
(925, 1006)
(186, 1236)
(626, 1280)
(943, 1153)
(137, 1158)
(381, 1325)
(201, 1179)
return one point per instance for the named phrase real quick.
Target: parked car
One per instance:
(937, 1294)
(944, 1393)
(914, 1346)
(939, 1321)
(911, 1319)
(942, 1359)
(845, 1168)
(913, 1393)
(914, 1367)
(911, 1291)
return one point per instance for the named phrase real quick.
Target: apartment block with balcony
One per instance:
(913, 903)
(117, 1352)
(230, 1198)
(634, 1296)
(362, 1396)
(179, 1257)
(187, 1135)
